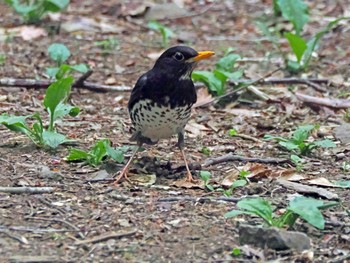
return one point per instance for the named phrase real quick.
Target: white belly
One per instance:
(161, 122)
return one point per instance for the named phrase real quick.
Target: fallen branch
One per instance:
(199, 199)
(328, 102)
(43, 84)
(230, 157)
(27, 190)
(104, 237)
(300, 188)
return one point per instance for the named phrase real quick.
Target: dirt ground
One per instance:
(84, 221)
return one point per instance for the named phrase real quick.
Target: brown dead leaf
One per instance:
(188, 185)
(243, 112)
(257, 171)
(230, 177)
(195, 129)
(289, 175)
(321, 181)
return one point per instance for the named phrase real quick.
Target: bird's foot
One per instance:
(122, 175)
(190, 178)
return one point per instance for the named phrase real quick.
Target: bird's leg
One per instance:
(181, 145)
(124, 172)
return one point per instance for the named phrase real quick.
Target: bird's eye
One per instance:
(178, 56)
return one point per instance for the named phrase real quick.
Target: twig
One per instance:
(60, 221)
(80, 81)
(43, 84)
(328, 102)
(230, 157)
(22, 240)
(198, 199)
(104, 237)
(36, 230)
(300, 188)
(27, 190)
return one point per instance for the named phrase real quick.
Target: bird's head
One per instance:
(179, 61)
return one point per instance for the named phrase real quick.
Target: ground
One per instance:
(165, 222)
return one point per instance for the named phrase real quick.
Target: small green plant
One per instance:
(97, 153)
(236, 252)
(108, 45)
(238, 183)
(345, 166)
(232, 132)
(33, 10)
(205, 176)
(224, 70)
(60, 53)
(205, 150)
(166, 32)
(297, 13)
(303, 207)
(297, 161)
(55, 103)
(2, 59)
(298, 142)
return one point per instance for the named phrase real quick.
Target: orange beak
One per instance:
(203, 55)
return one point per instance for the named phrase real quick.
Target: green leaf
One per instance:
(307, 208)
(82, 68)
(289, 145)
(15, 123)
(205, 175)
(236, 252)
(59, 53)
(55, 5)
(257, 206)
(214, 84)
(235, 213)
(345, 184)
(227, 63)
(209, 187)
(64, 109)
(312, 43)
(166, 32)
(52, 72)
(77, 155)
(298, 45)
(116, 154)
(53, 139)
(99, 150)
(232, 132)
(296, 11)
(57, 93)
(268, 137)
(239, 183)
(302, 133)
(325, 143)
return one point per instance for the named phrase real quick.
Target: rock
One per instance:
(274, 238)
(342, 134)
(164, 11)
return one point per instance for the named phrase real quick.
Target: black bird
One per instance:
(161, 101)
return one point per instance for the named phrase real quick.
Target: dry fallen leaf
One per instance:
(31, 32)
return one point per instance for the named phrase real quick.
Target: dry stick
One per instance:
(27, 190)
(245, 85)
(43, 84)
(230, 157)
(104, 237)
(15, 237)
(60, 221)
(198, 199)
